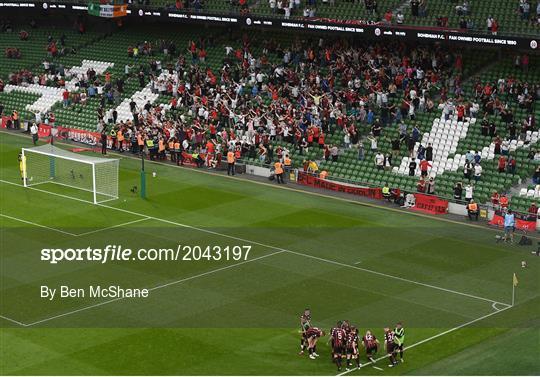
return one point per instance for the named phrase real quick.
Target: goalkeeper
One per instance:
(399, 338)
(22, 167)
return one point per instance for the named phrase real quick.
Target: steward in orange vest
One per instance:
(231, 159)
(278, 170)
(473, 210)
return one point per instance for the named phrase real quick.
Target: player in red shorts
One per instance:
(371, 344)
(352, 347)
(339, 339)
(390, 346)
(312, 335)
(305, 324)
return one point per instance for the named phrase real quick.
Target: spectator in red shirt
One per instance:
(424, 166)
(388, 16)
(494, 27)
(495, 199)
(421, 185)
(460, 112)
(502, 164)
(65, 97)
(202, 55)
(503, 201)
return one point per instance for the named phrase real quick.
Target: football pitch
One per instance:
(230, 265)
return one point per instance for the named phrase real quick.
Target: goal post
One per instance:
(96, 177)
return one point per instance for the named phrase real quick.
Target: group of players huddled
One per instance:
(345, 342)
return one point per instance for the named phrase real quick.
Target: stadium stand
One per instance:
(512, 17)
(365, 85)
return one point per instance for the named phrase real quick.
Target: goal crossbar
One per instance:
(50, 164)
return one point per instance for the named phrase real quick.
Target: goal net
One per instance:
(95, 176)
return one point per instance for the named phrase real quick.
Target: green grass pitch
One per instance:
(449, 283)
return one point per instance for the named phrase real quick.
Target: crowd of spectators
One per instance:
(368, 91)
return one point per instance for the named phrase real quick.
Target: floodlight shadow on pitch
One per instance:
(48, 164)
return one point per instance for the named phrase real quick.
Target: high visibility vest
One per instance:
(386, 190)
(140, 140)
(230, 157)
(473, 207)
(278, 167)
(120, 136)
(287, 161)
(171, 145)
(177, 146)
(150, 143)
(161, 146)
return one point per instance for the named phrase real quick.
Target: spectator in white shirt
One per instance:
(34, 132)
(379, 161)
(469, 192)
(477, 172)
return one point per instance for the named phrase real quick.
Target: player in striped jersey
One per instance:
(313, 334)
(371, 344)
(339, 339)
(390, 346)
(352, 347)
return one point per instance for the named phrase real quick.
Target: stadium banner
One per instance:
(82, 136)
(430, 204)
(310, 180)
(523, 221)
(44, 130)
(106, 10)
(363, 27)
(3, 121)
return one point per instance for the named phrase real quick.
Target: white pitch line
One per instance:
(13, 321)
(431, 338)
(494, 305)
(154, 288)
(377, 368)
(397, 277)
(284, 187)
(276, 248)
(307, 255)
(111, 227)
(38, 225)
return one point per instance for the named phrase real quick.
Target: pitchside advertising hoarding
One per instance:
(354, 27)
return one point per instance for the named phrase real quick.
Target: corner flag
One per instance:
(514, 285)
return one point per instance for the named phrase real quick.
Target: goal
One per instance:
(95, 177)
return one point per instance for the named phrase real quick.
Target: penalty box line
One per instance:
(278, 249)
(70, 233)
(463, 325)
(13, 321)
(38, 225)
(150, 289)
(314, 257)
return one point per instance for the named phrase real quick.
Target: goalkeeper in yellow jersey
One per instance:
(22, 167)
